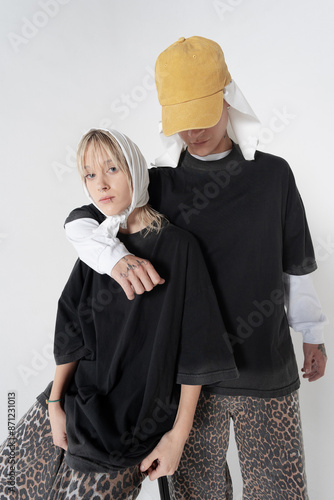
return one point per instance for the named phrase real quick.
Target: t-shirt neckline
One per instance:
(192, 163)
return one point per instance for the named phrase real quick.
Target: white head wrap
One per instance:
(140, 181)
(243, 127)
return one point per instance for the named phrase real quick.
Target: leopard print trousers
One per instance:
(43, 474)
(270, 447)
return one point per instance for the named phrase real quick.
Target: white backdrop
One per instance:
(68, 65)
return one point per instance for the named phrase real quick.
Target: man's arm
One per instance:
(109, 256)
(305, 315)
(166, 456)
(63, 375)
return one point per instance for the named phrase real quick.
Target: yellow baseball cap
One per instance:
(190, 76)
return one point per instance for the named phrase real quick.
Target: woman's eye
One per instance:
(89, 176)
(112, 170)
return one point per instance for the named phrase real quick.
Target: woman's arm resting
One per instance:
(165, 458)
(57, 415)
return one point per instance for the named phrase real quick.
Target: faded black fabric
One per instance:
(250, 222)
(133, 354)
(86, 211)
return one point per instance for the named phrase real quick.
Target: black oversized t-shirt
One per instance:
(250, 222)
(133, 354)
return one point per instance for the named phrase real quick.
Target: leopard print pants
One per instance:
(123, 485)
(43, 474)
(270, 447)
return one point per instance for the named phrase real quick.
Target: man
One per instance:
(245, 210)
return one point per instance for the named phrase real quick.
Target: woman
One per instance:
(129, 373)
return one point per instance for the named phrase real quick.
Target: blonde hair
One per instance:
(103, 141)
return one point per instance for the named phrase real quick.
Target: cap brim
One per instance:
(195, 114)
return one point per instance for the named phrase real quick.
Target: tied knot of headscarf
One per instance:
(110, 226)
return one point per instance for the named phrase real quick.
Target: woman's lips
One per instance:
(108, 199)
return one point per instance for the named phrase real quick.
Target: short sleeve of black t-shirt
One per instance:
(200, 315)
(86, 212)
(69, 342)
(298, 254)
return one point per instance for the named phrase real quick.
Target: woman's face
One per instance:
(106, 183)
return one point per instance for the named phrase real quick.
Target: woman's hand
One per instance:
(166, 456)
(58, 425)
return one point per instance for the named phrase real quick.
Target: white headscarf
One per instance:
(243, 128)
(140, 181)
